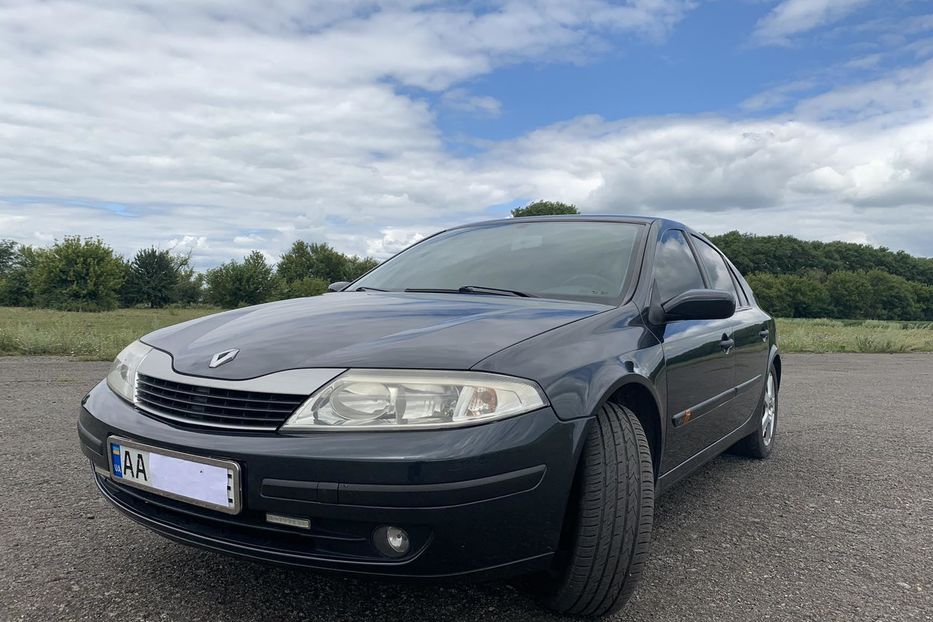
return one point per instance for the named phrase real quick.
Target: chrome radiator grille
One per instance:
(213, 406)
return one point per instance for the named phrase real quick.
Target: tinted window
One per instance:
(743, 297)
(675, 269)
(716, 268)
(561, 259)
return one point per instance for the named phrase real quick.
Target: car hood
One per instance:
(362, 329)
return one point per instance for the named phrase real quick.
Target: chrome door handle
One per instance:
(764, 334)
(726, 344)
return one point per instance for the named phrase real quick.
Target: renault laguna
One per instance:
(500, 399)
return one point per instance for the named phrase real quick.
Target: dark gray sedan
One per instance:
(500, 399)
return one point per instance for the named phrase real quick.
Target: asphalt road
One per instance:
(837, 525)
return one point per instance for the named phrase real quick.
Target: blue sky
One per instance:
(222, 126)
(708, 64)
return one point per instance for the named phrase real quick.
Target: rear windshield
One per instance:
(576, 260)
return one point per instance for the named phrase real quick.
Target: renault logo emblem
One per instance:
(224, 357)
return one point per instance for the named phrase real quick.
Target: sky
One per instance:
(222, 126)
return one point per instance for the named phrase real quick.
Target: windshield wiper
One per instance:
(471, 289)
(363, 288)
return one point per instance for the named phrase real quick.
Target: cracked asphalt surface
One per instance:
(837, 525)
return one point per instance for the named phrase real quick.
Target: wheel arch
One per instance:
(636, 393)
(775, 359)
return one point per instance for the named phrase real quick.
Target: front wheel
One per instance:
(759, 443)
(605, 541)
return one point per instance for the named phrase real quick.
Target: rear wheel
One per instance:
(759, 443)
(606, 539)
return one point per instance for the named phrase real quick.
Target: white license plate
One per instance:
(204, 482)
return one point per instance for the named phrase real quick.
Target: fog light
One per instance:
(391, 541)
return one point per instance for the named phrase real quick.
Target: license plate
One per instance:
(200, 481)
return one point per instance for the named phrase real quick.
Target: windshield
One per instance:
(577, 260)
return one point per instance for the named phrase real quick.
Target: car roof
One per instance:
(641, 220)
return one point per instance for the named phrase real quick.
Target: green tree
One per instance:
(152, 279)
(807, 296)
(923, 294)
(189, 289)
(771, 294)
(851, 294)
(358, 266)
(545, 208)
(77, 275)
(249, 282)
(296, 263)
(784, 254)
(14, 281)
(322, 262)
(892, 297)
(7, 256)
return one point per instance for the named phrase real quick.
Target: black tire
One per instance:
(758, 445)
(606, 540)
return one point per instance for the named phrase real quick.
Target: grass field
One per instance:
(99, 336)
(799, 335)
(91, 336)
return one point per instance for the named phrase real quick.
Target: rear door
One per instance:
(699, 356)
(752, 347)
(746, 327)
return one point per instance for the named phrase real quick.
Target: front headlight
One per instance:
(398, 399)
(122, 376)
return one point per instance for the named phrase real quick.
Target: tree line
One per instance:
(789, 276)
(799, 278)
(85, 274)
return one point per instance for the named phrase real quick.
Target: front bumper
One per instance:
(482, 501)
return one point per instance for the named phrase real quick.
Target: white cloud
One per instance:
(462, 100)
(793, 17)
(225, 126)
(394, 240)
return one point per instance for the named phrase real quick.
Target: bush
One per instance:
(235, 284)
(308, 286)
(77, 275)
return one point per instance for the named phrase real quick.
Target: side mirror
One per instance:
(700, 304)
(338, 286)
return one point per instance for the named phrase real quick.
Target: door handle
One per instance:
(764, 334)
(726, 344)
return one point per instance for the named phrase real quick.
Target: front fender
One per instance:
(581, 365)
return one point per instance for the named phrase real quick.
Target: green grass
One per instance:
(91, 336)
(799, 335)
(99, 336)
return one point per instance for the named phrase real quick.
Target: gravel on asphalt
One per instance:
(837, 525)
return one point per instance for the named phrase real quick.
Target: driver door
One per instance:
(699, 356)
